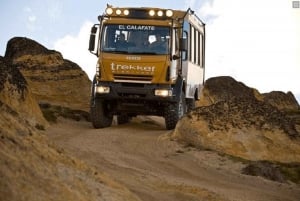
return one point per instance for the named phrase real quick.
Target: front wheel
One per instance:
(174, 111)
(99, 115)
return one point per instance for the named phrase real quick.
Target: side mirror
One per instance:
(92, 43)
(94, 30)
(92, 38)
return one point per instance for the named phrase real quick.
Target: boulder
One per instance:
(16, 98)
(52, 79)
(235, 122)
(281, 100)
(225, 88)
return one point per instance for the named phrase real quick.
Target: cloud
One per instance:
(31, 18)
(54, 9)
(255, 42)
(27, 9)
(75, 48)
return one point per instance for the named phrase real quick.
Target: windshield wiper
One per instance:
(132, 52)
(118, 51)
(151, 53)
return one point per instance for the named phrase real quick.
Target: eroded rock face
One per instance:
(16, 98)
(51, 78)
(225, 88)
(20, 46)
(281, 100)
(31, 167)
(237, 123)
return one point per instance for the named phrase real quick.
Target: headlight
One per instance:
(169, 13)
(102, 89)
(126, 12)
(151, 12)
(163, 92)
(109, 11)
(160, 13)
(118, 12)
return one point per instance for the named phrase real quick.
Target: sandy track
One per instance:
(141, 156)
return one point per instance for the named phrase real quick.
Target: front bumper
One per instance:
(134, 91)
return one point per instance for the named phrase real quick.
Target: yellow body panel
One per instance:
(134, 68)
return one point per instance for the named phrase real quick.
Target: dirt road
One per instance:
(141, 156)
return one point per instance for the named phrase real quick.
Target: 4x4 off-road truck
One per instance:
(150, 62)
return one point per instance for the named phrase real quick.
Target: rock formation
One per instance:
(16, 96)
(236, 121)
(281, 100)
(224, 88)
(52, 79)
(31, 167)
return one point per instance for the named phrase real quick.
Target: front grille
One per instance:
(133, 78)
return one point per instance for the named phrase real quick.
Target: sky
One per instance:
(256, 42)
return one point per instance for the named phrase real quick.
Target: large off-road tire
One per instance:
(99, 115)
(123, 119)
(174, 111)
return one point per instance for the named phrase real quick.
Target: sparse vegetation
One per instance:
(294, 114)
(39, 127)
(291, 171)
(279, 172)
(52, 112)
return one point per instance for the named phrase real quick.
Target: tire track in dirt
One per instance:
(141, 156)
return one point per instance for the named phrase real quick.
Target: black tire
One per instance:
(174, 111)
(123, 119)
(99, 115)
(190, 104)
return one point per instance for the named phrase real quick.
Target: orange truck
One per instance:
(151, 61)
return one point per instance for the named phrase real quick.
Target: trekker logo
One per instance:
(123, 68)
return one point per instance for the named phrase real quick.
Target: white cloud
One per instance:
(189, 3)
(54, 9)
(75, 48)
(27, 9)
(255, 42)
(30, 19)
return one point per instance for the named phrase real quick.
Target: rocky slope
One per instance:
(16, 96)
(31, 167)
(234, 119)
(237, 121)
(281, 100)
(52, 79)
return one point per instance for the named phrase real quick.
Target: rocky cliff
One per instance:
(16, 99)
(31, 167)
(52, 79)
(281, 100)
(237, 121)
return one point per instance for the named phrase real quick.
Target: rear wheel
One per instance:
(174, 111)
(99, 115)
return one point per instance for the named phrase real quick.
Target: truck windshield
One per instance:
(135, 39)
